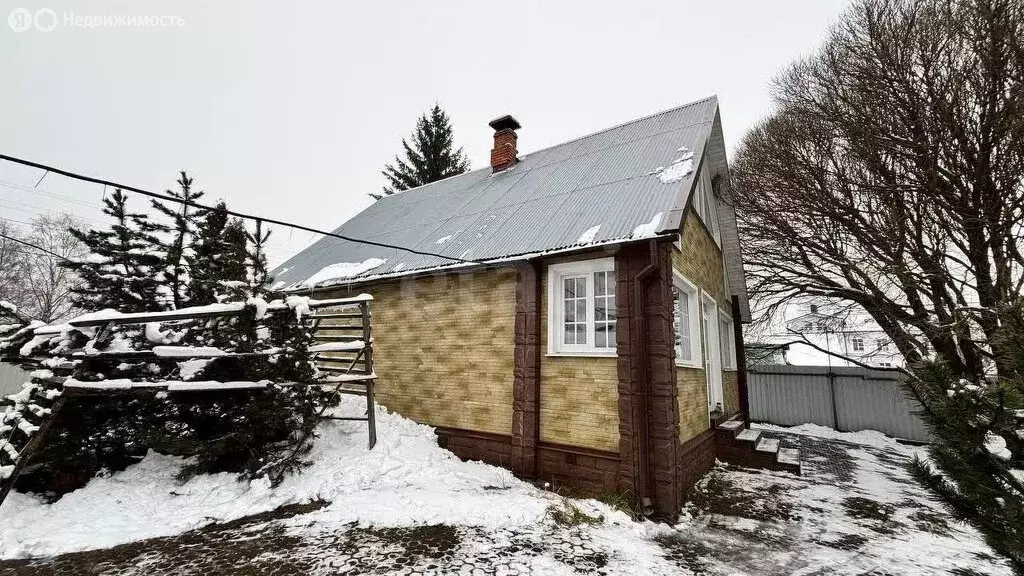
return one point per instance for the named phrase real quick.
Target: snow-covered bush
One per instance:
(235, 405)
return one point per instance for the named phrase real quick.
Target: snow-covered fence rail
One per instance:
(843, 398)
(96, 355)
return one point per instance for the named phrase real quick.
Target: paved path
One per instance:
(855, 511)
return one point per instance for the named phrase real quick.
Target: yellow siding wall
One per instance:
(731, 392)
(700, 261)
(692, 393)
(443, 348)
(579, 398)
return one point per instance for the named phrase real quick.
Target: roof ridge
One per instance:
(627, 123)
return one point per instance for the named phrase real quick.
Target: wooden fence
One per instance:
(343, 351)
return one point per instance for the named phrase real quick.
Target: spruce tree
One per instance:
(978, 441)
(234, 272)
(206, 263)
(432, 155)
(175, 239)
(121, 271)
(259, 275)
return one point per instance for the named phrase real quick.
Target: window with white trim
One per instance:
(686, 321)
(582, 307)
(725, 333)
(858, 344)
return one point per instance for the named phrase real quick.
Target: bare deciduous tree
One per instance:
(892, 174)
(12, 263)
(31, 278)
(48, 284)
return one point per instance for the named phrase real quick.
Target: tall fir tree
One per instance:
(430, 157)
(207, 260)
(259, 274)
(234, 274)
(121, 272)
(175, 240)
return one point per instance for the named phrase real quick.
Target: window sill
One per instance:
(690, 366)
(582, 354)
(727, 369)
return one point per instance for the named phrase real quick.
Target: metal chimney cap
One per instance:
(506, 122)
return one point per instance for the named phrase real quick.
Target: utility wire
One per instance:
(37, 247)
(169, 198)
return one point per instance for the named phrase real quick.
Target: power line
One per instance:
(37, 247)
(196, 205)
(55, 195)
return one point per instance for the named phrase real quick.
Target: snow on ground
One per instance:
(863, 437)
(406, 479)
(856, 510)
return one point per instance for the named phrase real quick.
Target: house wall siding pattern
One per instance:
(443, 348)
(579, 402)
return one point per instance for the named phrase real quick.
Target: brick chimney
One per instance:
(503, 154)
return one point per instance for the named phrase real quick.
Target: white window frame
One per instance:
(726, 332)
(854, 344)
(692, 294)
(556, 312)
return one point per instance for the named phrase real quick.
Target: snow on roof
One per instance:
(339, 272)
(545, 204)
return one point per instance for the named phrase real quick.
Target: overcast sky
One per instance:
(290, 110)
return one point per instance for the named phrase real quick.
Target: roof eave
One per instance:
(495, 263)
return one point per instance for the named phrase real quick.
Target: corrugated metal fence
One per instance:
(11, 378)
(846, 399)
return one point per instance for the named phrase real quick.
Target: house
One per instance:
(840, 329)
(760, 353)
(572, 313)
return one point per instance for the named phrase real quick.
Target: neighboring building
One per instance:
(760, 353)
(595, 274)
(839, 328)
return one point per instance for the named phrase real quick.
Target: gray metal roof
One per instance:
(544, 203)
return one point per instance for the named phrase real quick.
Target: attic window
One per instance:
(582, 308)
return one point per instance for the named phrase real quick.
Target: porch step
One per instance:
(768, 445)
(732, 424)
(789, 456)
(737, 444)
(749, 435)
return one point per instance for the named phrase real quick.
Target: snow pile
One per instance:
(340, 271)
(406, 479)
(648, 229)
(588, 236)
(679, 168)
(443, 239)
